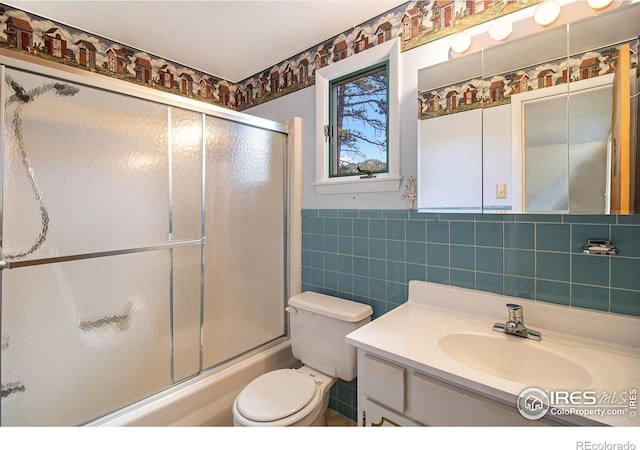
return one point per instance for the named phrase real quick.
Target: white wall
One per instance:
(302, 104)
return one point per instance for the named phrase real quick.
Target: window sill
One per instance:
(359, 185)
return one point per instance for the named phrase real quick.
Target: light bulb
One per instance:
(500, 29)
(460, 42)
(599, 4)
(546, 12)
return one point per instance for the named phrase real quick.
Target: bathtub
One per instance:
(205, 400)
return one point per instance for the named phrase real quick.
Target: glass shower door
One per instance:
(92, 250)
(145, 243)
(244, 253)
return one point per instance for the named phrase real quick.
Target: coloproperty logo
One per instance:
(534, 403)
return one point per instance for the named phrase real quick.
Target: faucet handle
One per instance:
(515, 324)
(515, 312)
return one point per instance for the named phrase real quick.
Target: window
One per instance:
(357, 122)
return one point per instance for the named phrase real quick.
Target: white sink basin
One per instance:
(517, 359)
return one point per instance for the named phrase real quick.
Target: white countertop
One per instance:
(605, 345)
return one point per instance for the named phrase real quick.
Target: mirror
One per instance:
(527, 67)
(542, 117)
(450, 126)
(565, 148)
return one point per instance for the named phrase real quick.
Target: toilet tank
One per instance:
(319, 324)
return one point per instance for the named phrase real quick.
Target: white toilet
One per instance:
(299, 397)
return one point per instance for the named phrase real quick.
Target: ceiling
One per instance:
(231, 39)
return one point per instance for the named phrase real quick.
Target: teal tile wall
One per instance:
(369, 256)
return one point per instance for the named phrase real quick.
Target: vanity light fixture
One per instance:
(546, 12)
(599, 4)
(460, 42)
(500, 29)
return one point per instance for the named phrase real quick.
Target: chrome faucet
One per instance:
(515, 324)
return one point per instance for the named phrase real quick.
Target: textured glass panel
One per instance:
(244, 247)
(186, 311)
(84, 337)
(590, 122)
(186, 162)
(100, 165)
(546, 155)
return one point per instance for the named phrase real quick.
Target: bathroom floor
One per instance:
(335, 419)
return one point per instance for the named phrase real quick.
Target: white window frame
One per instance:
(382, 182)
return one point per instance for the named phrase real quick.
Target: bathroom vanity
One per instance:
(436, 361)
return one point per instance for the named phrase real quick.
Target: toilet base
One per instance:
(320, 421)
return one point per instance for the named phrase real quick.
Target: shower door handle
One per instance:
(11, 388)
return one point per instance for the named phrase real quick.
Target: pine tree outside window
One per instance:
(357, 102)
(358, 123)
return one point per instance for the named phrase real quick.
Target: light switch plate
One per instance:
(501, 191)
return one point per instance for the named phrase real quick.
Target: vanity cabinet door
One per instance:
(376, 415)
(436, 403)
(384, 382)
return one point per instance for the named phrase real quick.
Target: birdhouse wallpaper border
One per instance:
(415, 23)
(497, 90)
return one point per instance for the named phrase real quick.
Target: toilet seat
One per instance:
(278, 395)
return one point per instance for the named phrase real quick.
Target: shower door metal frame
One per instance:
(13, 60)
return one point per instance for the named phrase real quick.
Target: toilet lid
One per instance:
(275, 395)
